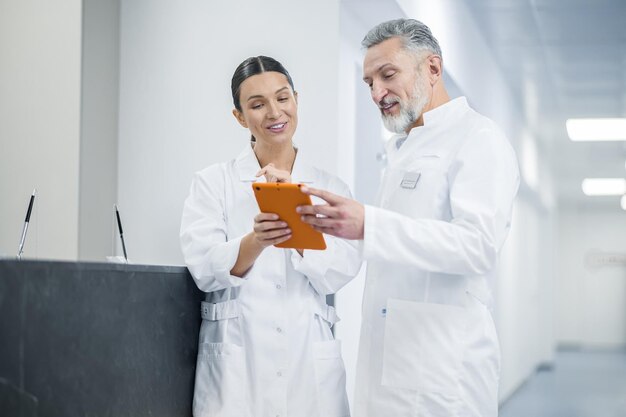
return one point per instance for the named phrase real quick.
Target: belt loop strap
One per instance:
(219, 311)
(331, 315)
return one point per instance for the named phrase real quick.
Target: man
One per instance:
(428, 342)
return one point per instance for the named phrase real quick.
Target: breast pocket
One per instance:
(423, 347)
(221, 375)
(417, 190)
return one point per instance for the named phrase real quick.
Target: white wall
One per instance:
(524, 295)
(40, 64)
(177, 60)
(591, 308)
(98, 143)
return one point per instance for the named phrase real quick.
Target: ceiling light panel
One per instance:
(604, 186)
(596, 129)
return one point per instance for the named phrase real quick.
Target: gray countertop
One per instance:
(92, 266)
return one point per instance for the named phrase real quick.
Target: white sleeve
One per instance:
(483, 182)
(329, 270)
(203, 236)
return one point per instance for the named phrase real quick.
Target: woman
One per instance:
(266, 348)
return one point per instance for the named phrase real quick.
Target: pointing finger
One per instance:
(330, 198)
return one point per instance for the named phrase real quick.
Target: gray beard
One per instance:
(408, 113)
(401, 122)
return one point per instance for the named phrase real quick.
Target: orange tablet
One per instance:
(282, 199)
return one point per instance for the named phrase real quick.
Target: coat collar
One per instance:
(425, 140)
(451, 110)
(247, 165)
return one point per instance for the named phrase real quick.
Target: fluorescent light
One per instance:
(596, 129)
(604, 186)
(623, 202)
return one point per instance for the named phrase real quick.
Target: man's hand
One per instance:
(341, 217)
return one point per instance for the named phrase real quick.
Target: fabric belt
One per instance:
(230, 310)
(220, 311)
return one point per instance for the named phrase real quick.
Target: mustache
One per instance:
(386, 101)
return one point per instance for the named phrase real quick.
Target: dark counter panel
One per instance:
(87, 339)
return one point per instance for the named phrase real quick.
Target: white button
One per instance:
(279, 330)
(279, 373)
(278, 286)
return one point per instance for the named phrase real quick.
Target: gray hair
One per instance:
(416, 35)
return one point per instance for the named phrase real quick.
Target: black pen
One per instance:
(119, 226)
(20, 250)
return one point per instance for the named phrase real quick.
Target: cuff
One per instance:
(367, 247)
(225, 261)
(314, 263)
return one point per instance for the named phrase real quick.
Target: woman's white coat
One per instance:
(266, 347)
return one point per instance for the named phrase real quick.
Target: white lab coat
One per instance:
(428, 342)
(266, 347)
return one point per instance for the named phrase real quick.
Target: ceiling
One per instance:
(564, 58)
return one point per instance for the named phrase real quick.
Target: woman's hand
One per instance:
(269, 230)
(273, 174)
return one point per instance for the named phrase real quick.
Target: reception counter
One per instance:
(94, 339)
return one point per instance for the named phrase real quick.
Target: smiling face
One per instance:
(269, 108)
(400, 87)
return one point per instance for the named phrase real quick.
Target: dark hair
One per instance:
(253, 66)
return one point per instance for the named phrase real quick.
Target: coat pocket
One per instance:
(423, 347)
(330, 376)
(221, 381)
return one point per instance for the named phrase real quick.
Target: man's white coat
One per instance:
(428, 342)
